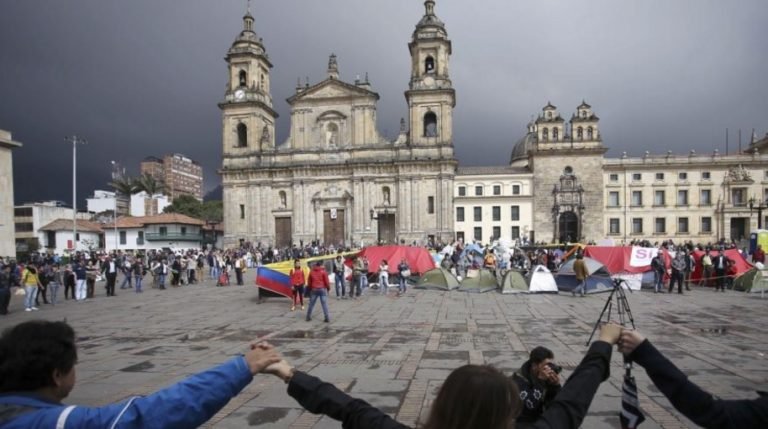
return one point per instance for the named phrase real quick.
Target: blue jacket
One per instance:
(188, 403)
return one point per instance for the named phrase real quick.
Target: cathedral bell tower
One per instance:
(248, 116)
(431, 97)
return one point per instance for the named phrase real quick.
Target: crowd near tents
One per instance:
(607, 266)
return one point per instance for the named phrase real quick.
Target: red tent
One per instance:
(624, 259)
(741, 264)
(419, 260)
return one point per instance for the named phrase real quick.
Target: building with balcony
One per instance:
(165, 231)
(7, 230)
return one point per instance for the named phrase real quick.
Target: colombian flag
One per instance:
(273, 282)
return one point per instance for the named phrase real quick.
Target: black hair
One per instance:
(31, 351)
(540, 353)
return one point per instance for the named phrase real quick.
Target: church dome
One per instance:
(519, 157)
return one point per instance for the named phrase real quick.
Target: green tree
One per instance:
(190, 206)
(124, 187)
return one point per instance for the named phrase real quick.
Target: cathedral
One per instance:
(338, 181)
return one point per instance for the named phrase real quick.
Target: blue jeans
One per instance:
(362, 283)
(402, 286)
(29, 298)
(161, 280)
(323, 295)
(126, 279)
(581, 288)
(383, 283)
(54, 288)
(339, 284)
(138, 279)
(658, 281)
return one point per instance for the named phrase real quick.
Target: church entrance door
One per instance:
(283, 232)
(739, 226)
(333, 227)
(387, 233)
(569, 227)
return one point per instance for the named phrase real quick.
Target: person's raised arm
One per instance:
(700, 406)
(319, 397)
(570, 406)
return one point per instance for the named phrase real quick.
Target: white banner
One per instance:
(641, 256)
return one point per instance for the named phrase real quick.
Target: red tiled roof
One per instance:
(66, 225)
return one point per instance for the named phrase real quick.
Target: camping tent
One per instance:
(540, 280)
(484, 281)
(438, 279)
(419, 260)
(513, 282)
(751, 281)
(599, 279)
(741, 264)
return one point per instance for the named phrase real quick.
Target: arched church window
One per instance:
(332, 134)
(283, 199)
(584, 114)
(590, 133)
(430, 124)
(549, 115)
(262, 83)
(580, 133)
(568, 170)
(243, 78)
(242, 135)
(555, 134)
(385, 195)
(429, 65)
(545, 134)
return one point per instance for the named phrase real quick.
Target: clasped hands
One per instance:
(264, 358)
(626, 340)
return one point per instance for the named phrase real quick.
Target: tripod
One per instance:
(623, 311)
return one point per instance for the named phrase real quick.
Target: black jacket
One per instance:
(699, 406)
(566, 411)
(535, 394)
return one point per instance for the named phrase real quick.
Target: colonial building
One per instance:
(336, 179)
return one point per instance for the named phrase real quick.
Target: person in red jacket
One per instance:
(318, 288)
(297, 283)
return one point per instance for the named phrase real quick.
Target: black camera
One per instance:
(555, 367)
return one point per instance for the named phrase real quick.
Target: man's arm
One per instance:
(699, 406)
(319, 397)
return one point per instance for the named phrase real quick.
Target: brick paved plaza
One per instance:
(395, 352)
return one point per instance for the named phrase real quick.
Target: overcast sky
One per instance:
(143, 77)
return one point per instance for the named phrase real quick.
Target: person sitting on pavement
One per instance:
(473, 396)
(37, 371)
(698, 405)
(538, 382)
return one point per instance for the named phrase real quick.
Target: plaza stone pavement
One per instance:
(396, 352)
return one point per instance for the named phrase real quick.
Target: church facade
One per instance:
(336, 179)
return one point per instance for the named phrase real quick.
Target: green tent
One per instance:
(751, 281)
(484, 281)
(513, 282)
(438, 279)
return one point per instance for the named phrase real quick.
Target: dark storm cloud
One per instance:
(143, 77)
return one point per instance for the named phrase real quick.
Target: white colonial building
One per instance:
(336, 179)
(139, 204)
(57, 236)
(165, 231)
(492, 203)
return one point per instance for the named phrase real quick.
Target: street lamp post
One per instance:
(114, 212)
(758, 206)
(75, 140)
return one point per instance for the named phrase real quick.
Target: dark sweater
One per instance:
(566, 411)
(699, 406)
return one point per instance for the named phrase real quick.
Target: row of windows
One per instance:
(477, 213)
(660, 225)
(660, 177)
(660, 198)
(479, 190)
(477, 234)
(579, 133)
(738, 197)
